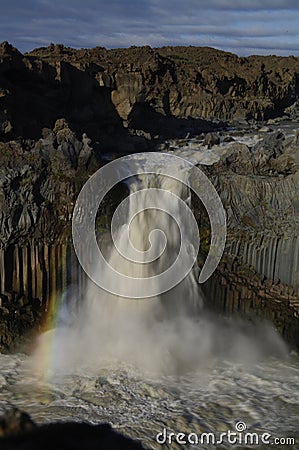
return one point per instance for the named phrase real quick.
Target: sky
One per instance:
(240, 26)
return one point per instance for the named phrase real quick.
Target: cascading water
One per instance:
(144, 364)
(143, 327)
(167, 332)
(147, 331)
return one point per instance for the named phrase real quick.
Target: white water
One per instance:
(163, 334)
(265, 395)
(145, 364)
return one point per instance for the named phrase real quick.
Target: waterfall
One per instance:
(167, 331)
(147, 241)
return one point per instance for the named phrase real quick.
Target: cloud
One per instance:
(242, 26)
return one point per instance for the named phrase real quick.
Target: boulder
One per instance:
(211, 139)
(18, 432)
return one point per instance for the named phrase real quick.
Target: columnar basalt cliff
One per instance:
(39, 183)
(259, 187)
(62, 109)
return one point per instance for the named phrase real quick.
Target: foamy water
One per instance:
(265, 395)
(161, 362)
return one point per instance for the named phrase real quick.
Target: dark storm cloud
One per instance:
(241, 26)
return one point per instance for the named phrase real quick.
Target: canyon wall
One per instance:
(102, 92)
(259, 272)
(39, 184)
(258, 185)
(126, 100)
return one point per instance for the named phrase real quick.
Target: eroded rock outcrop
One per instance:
(39, 184)
(100, 90)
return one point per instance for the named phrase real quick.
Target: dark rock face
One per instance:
(99, 90)
(18, 432)
(34, 94)
(39, 184)
(40, 181)
(70, 106)
(258, 185)
(237, 289)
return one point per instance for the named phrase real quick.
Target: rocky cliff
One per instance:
(128, 100)
(39, 183)
(258, 183)
(257, 180)
(102, 92)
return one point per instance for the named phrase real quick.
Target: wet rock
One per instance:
(211, 139)
(39, 182)
(228, 139)
(85, 152)
(265, 129)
